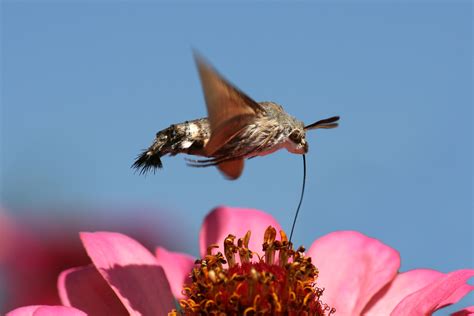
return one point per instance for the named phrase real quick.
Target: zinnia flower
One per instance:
(348, 271)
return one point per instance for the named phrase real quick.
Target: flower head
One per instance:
(281, 282)
(359, 274)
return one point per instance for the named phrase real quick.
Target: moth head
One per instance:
(297, 143)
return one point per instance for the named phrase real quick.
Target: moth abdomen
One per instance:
(188, 137)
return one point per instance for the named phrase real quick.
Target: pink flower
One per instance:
(34, 250)
(359, 273)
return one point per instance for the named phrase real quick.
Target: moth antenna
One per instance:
(301, 197)
(326, 123)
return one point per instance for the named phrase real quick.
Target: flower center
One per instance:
(282, 282)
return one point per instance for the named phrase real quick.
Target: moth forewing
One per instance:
(225, 132)
(229, 109)
(223, 100)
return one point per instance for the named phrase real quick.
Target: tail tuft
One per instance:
(147, 161)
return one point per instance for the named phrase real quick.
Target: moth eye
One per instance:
(296, 137)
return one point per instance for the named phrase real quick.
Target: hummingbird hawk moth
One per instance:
(237, 128)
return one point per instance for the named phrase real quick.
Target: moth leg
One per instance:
(211, 162)
(194, 165)
(200, 160)
(205, 162)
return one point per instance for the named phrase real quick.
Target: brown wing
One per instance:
(232, 168)
(229, 109)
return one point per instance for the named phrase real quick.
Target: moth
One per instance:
(237, 128)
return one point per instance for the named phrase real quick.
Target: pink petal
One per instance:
(404, 284)
(352, 268)
(131, 271)
(86, 289)
(465, 312)
(177, 267)
(223, 221)
(43, 310)
(446, 290)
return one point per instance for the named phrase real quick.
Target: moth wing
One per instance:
(225, 132)
(232, 169)
(229, 109)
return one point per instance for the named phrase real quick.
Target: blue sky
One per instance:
(87, 85)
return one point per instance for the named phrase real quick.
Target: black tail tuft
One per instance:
(146, 162)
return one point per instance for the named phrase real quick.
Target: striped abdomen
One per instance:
(188, 137)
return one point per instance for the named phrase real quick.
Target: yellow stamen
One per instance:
(282, 283)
